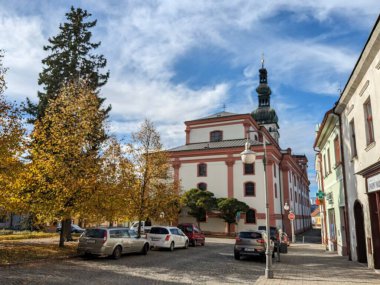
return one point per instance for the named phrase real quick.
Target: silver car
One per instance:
(251, 243)
(111, 242)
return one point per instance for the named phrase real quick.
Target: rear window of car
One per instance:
(249, 235)
(94, 233)
(159, 231)
(186, 229)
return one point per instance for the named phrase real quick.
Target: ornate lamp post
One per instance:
(248, 157)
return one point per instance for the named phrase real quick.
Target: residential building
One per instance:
(330, 181)
(210, 160)
(359, 112)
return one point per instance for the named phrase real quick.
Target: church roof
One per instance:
(214, 145)
(218, 115)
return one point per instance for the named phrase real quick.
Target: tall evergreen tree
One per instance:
(70, 60)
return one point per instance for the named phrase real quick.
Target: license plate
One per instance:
(156, 239)
(90, 241)
(249, 249)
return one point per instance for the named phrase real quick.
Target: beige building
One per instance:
(210, 160)
(359, 111)
(330, 181)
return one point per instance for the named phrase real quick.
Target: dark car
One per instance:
(74, 229)
(251, 243)
(195, 235)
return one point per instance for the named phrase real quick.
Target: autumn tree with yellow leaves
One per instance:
(62, 176)
(11, 148)
(155, 193)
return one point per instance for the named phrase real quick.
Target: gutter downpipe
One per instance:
(346, 220)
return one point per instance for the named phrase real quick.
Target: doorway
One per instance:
(374, 209)
(360, 233)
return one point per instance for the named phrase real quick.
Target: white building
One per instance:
(210, 160)
(359, 111)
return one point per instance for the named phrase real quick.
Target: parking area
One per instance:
(211, 264)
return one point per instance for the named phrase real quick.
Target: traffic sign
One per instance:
(291, 216)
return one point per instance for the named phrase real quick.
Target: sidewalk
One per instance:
(310, 264)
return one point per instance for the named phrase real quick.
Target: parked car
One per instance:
(111, 242)
(195, 235)
(251, 243)
(74, 229)
(167, 237)
(145, 226)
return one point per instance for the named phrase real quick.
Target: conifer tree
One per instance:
(70, 59)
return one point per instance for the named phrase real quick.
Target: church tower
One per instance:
(264, 115)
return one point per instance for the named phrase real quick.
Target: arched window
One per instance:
(249, 189)
(216, 136)
(202, 186)
(250, 217)
(291, 194)
(202, 169)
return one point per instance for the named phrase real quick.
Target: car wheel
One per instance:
(186, 244)
(203, 243)
(116, 252)
(273, 254)
(237, 255)
(145, 249)
(194, 242)
(172, 246)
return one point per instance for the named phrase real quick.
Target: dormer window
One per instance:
(216, 136)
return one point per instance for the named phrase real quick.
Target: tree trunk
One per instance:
(229, 229)
(61, 236)
(111, 224)
(66, 227)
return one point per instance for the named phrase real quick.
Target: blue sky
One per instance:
(172, 61)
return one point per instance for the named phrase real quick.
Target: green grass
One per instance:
(17, 235)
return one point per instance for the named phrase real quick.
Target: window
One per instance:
(368, 122)
(337, 151)
(202, 169)
(275, 190)
(202, 186)
(250, 216)
(274, 170)
(324, 164)
(290, 176)
(353, 139)
(291, 194)
(249, 168)
(329, 160)
(249, 189)
(216, 136)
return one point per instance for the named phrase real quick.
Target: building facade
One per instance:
(359, 111)
(210, 160)
(329, 174)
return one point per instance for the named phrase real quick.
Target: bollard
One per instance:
(278, 251)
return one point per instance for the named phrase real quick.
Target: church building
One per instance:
(210, 160)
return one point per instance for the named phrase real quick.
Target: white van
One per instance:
(145, 226)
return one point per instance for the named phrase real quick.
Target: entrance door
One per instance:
(374, 209)
(360, 233)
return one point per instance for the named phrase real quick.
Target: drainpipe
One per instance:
(346, 220)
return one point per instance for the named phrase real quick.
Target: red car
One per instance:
(195, 235)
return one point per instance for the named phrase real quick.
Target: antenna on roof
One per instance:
(224, 107)
(262, 60)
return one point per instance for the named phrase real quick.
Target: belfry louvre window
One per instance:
(216, 136)
(202, 169)
(250, 217)
(249, 189)
(368, 122)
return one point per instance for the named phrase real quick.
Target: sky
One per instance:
(171, 61)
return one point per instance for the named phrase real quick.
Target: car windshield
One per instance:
(250, 235)
(132, 233)
(94, 233)
(159, 231)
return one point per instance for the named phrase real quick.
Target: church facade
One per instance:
(210, 160)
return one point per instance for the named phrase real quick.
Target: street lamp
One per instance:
(249, 157)
(286, 208)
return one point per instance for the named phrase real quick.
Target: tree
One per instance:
(199, 202)
(228, 208)
(115, 179)
(70, 60)
(62, 176)
(11, 147)
(155, 191)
